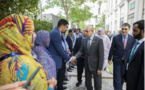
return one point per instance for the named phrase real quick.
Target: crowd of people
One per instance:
(22, 51)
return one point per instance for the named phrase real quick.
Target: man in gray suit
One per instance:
(92, 48)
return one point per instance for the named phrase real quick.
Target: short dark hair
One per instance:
(78, 29)
(126, 24)
(140, 24)
(70, 30)
(62, 22)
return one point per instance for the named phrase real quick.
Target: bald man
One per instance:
(93, 51)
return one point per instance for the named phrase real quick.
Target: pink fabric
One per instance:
(124, 42)
(107, 45)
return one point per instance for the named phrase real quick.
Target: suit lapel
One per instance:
(93, 41)
(139, 48)
(128, 41)
(121, 42)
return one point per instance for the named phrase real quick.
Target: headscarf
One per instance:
(42, 38)
(107, 44)
(102, 32)
(44, 57)
(16, 37)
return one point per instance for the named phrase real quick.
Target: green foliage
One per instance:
(101, 22)
(82, 25)
(79, 14)
(25, 7)
(61, 16)
(42, 25)
(69, 5)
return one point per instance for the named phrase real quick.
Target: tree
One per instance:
(82, 25)
(78, 15)
(66, 4)
(60, 15)
(43, 25)
(24, 7)
(101, 22)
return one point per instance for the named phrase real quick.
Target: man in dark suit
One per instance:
(121, 46)
(80, 62)
(93, 50)
(71, 42)
(70, 39)
(57, 51)
(135, 63)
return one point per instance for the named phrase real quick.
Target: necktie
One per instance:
(88, 44)
(124, 42)
(124, 46)
(133, 51)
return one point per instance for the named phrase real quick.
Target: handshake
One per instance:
(73, 59)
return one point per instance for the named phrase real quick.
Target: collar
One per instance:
(124, 36)
(140, 41)
(92, 37)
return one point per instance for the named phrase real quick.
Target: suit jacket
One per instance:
(70, 43)
(135, 72)
(78, 44)
(56, 48)
(117, 48)
(95, 56)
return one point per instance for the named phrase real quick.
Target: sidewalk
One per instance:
(107, 81)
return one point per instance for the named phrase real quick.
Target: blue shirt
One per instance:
(123, 38)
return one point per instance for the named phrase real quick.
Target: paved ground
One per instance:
(107, 81)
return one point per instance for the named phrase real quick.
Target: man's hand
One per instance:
(52, 82)
(14, 86)
(109, 62)
(99, 72)
(73, 59)
(69, 53)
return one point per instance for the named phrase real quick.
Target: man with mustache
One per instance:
(120, 48)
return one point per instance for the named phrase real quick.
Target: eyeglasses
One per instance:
(86, 31)
(124, 28)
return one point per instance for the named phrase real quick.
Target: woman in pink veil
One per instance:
(107, 43)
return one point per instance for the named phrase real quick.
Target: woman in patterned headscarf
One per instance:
(107, 44)
(43, 55)
(16, 61)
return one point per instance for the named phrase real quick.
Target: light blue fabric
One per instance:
(123, 38)
(91, 39)
(49, 88)
(135, 47)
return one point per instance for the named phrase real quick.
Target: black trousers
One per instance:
(80, 68)
(60, 76)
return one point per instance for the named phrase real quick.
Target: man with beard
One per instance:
(121, 46)
(58, 52)
(135, 63)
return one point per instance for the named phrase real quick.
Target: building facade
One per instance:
(122, 11)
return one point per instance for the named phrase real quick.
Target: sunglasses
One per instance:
(124, 28)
